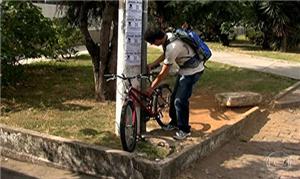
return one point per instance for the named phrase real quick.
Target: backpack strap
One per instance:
(193, 61)
(168, 41)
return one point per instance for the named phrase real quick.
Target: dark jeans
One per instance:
(179, 107)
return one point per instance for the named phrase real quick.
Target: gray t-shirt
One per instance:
(178, 52)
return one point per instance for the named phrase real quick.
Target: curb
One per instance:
(286, 91)
(27, 145)
(277, 104)
(287, 104)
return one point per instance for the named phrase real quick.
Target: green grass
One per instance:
(223, 78)
(58, 98)
(153, 54)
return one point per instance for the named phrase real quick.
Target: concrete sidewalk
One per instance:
(13, 169)
(263, 64)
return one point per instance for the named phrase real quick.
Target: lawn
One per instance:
(58, 98)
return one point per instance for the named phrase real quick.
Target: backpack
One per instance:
(194, 41)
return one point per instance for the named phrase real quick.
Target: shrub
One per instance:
(25, 33)
(67, 38)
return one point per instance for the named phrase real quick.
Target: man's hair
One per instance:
(153, 33)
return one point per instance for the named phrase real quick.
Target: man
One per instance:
(190, 70)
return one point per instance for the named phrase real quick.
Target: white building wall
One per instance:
(51, 11)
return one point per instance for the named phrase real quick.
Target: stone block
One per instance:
(238, 99)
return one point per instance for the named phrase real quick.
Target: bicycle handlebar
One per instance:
(111, 77)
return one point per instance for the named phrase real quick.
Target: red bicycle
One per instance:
(153, 106)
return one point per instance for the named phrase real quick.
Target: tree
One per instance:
(68, 37)
(278, 21)
(84, 14)
(213, 19)
(283, 17)
(25, 33)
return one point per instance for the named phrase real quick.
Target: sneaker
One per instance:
(169, 127)
(180, 135)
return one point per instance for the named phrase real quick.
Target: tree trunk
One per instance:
(283, 46)
(104, 60)
(108, 15)
(110, 90)
(92, 48)
(266, 41)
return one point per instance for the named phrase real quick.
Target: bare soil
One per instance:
(206, 117)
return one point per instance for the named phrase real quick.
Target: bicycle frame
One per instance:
(133, 94)
(135, 97)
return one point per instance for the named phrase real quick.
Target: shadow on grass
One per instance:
(88, 132)
(45, 85)
(71, 107)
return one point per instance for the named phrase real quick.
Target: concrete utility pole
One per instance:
(144, 57)
(130, 44)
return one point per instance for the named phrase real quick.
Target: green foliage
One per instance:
(255, 36)
(67, 38)
(211, 18)
(25, 33)
(277, 23)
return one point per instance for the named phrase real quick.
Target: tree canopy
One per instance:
(273, 22)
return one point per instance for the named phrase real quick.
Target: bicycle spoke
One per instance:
(162, 105)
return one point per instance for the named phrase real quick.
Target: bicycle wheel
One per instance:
(161, 104)
(128, 126)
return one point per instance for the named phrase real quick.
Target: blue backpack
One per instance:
(193, 40)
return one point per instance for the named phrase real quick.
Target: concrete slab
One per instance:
(238, 99)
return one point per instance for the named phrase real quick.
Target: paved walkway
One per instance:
(270, 149)
(12, 169)
(278, 67)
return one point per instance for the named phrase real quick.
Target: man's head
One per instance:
(186, 26)
(155, 36)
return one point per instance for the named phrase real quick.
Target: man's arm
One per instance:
(162, 74)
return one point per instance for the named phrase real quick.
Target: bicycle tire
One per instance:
(161, 104)
(128, 126)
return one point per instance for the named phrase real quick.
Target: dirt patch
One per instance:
(206, 117)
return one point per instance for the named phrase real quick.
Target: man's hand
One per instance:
(149, 68)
